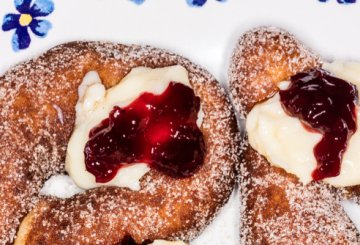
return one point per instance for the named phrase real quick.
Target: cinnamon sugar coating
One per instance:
(275, 207)
(38, 100)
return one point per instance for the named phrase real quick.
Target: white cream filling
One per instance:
(287, 144)
(95, 104)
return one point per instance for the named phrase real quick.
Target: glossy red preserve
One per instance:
(327, 105)
(159, 130)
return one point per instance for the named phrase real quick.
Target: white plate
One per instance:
(204, 34)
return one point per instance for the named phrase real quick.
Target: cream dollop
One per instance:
(95, 104)
(287, 144)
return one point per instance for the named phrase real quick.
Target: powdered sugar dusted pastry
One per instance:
(164, 201)
(289, 196)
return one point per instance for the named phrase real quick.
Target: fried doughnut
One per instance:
(37, 117)
(276, 207)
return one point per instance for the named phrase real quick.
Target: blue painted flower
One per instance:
(341, 1)
(138, 2)
(199, 3)
(28, 18)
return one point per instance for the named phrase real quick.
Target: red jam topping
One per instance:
(327, 105)
(159, 130)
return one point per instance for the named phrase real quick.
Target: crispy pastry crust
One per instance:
(37, 116)
(276, 208)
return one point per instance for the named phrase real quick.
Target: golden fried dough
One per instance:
(276, 207)
(38, 100)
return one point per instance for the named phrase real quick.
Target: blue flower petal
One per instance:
(40, 27)
(10, 22)
(196, 3)
(138, 2)
(21, 39)
(23, 6)
(346, 1)
(341, 1)
(42, 8)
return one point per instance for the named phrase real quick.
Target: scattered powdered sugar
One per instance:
(275, 207)
(223, 230)
(253, 79)
(34, 136)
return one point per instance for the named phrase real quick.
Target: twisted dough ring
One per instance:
(37, 116)
(276, 207)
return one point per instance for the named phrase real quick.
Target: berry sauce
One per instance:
(159, 130)
(327, 105)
